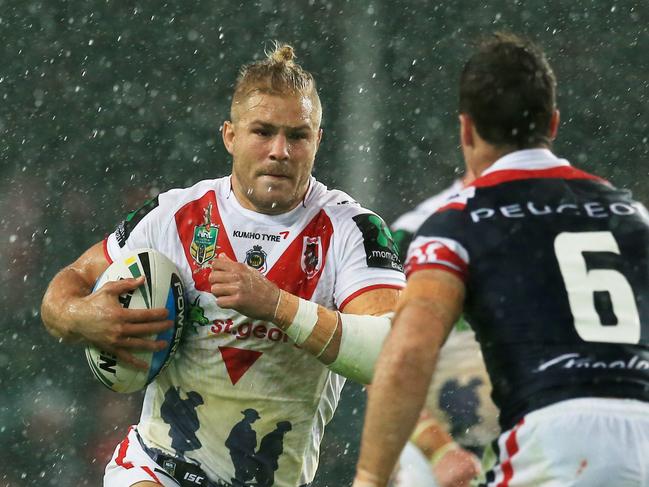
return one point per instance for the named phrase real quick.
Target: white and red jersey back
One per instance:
(239, 393)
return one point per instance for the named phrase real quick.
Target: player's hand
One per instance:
(101, 320)
(456, 468)
(242, 288)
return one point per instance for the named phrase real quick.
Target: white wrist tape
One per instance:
(360, 344)
(304, 321)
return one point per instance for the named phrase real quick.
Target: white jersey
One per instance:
(239, 393)
(459, 396)
(414, 469)
(413, 219)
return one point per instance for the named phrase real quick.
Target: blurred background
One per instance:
(106, 103)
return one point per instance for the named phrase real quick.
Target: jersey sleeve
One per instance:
(437, 245)
(141, 228)
(365, 255)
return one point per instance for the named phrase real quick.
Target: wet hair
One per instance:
(509, 90)
(277, 74)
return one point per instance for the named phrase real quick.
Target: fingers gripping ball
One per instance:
(163, 288)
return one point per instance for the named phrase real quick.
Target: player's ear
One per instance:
(466, 130)
(227, 133)
(554, 124)
(318, 139)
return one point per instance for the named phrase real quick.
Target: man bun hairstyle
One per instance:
(509, 90)
(277, 74)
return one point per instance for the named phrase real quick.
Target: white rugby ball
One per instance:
(163, 289)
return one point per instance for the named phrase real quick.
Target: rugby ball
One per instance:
(163, 289)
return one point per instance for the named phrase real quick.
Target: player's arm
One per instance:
(429, 306)
(348, 342)
(71, 311)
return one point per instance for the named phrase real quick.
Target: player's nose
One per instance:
(279, 149)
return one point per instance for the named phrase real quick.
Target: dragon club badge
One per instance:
(256, 258)
(203, 246)
(311, 261)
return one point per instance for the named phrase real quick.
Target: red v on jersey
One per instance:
(237, 361)
(292, 272)
(297, 270)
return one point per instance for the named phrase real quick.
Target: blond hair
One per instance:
(278, 74)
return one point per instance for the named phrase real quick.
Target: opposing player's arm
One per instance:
(429, 306)
(348, 342)
(71, 311)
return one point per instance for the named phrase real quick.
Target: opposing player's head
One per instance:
(507, 94)
(274, 132)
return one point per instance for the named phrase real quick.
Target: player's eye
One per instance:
(298, 136)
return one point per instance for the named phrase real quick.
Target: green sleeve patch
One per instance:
(380, 248)
(127, 225)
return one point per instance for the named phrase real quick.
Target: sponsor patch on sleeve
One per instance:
(127, 225)
(380, 249)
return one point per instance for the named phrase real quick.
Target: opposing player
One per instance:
(288, 282)
(459, 419)
(550, 265)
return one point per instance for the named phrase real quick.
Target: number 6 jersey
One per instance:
(556, 267)
(240, 399)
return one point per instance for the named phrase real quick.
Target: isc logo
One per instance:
(195, 478)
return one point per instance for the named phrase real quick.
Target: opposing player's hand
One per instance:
(242, 288)
(101, 320)
(456, 468)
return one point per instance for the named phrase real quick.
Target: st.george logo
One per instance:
(311, 252)
(203, 246)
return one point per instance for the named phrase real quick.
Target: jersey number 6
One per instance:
(582, 284)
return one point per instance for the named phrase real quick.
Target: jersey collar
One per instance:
(528, 159)
(530, 164)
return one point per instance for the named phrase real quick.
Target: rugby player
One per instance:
(550, 265)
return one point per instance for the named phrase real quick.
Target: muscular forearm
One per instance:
(347, 343)
(426, 312)
(324, 339)
(58, 310)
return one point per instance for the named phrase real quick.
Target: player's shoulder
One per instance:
(413, 219)
(161, 209)
(338, 205)
(179, 196)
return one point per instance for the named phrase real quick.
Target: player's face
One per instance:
(273, 143)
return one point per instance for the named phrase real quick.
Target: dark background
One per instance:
(105, 103)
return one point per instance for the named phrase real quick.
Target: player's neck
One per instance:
(484, 155)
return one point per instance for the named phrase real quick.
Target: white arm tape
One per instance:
(360, 344)
(304, 321)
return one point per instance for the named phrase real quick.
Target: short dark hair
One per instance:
(508, 89)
